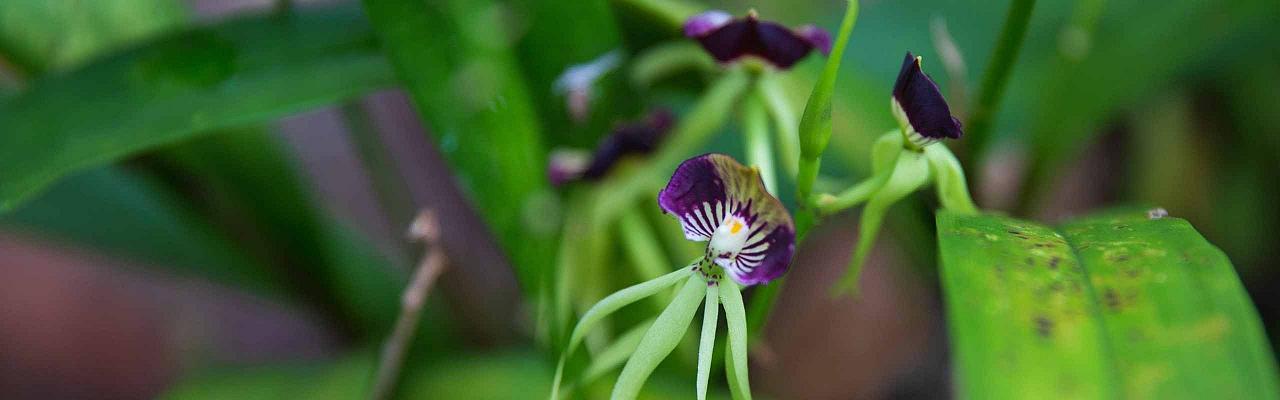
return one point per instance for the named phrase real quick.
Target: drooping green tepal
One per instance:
(1123, 305)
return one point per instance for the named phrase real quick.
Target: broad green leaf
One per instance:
(1113, 306)
(466, 86)
(179, 86)
(661, 339)
(39, 36)
(124, 213)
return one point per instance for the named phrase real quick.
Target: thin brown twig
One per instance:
(425, 229)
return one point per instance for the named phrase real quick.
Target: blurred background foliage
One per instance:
(207, 198)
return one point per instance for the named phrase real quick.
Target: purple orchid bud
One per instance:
(719, 201)
(637, 138)
(728, 39)
(919, 106)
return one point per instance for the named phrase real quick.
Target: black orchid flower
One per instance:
(728, 39)
(920, 108)
(636, 138)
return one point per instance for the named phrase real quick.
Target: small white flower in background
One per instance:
(578, 81)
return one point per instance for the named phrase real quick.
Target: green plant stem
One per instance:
(815, 123)
(814, 132)
(997, 74)
(755, 128)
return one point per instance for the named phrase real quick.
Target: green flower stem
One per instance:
(707, 344)
(785, 123)
(815, 123)
(909, 174)
(997, 74)
(660, 339)
(755, 128)
(669, 59)
(669, 14)
(693, 130)
(609, 305)
(884, 155)
(736, 348)
(814, 132)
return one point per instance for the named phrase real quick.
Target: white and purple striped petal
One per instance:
(718, 200)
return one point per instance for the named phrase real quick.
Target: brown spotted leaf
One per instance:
(1120, 305)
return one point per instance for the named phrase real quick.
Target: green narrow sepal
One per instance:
(607, 306)
(707, 344)
(660, 340)
(735, 315)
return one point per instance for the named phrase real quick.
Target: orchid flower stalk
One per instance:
(904, 161)
(750, 241)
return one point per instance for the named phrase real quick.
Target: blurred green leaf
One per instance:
(127, 214)
(465, 85)
(38, 36)
(343, 379)
(251, 187)
(179, 86)
(1117, 305)
(1069, 98)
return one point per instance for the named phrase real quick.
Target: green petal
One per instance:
(910, 173)
(607, 306)
(710, 316)
(953, 191)
(736, 362)
(661, 338)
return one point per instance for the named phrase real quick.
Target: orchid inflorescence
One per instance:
(750, 236)
(750, 240)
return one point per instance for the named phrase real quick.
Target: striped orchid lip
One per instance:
(919, 106)
(636, 138)
(719, 201)
(728, 39)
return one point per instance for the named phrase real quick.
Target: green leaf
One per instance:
(465, 84)
(660, 340)
(179, 86)
(39, 36)
(246, 181)
(126, 214)
(1113, 306)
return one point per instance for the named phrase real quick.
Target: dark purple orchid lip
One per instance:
(636, 138)
(728, 39)
(720, 201)
(922, 103)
